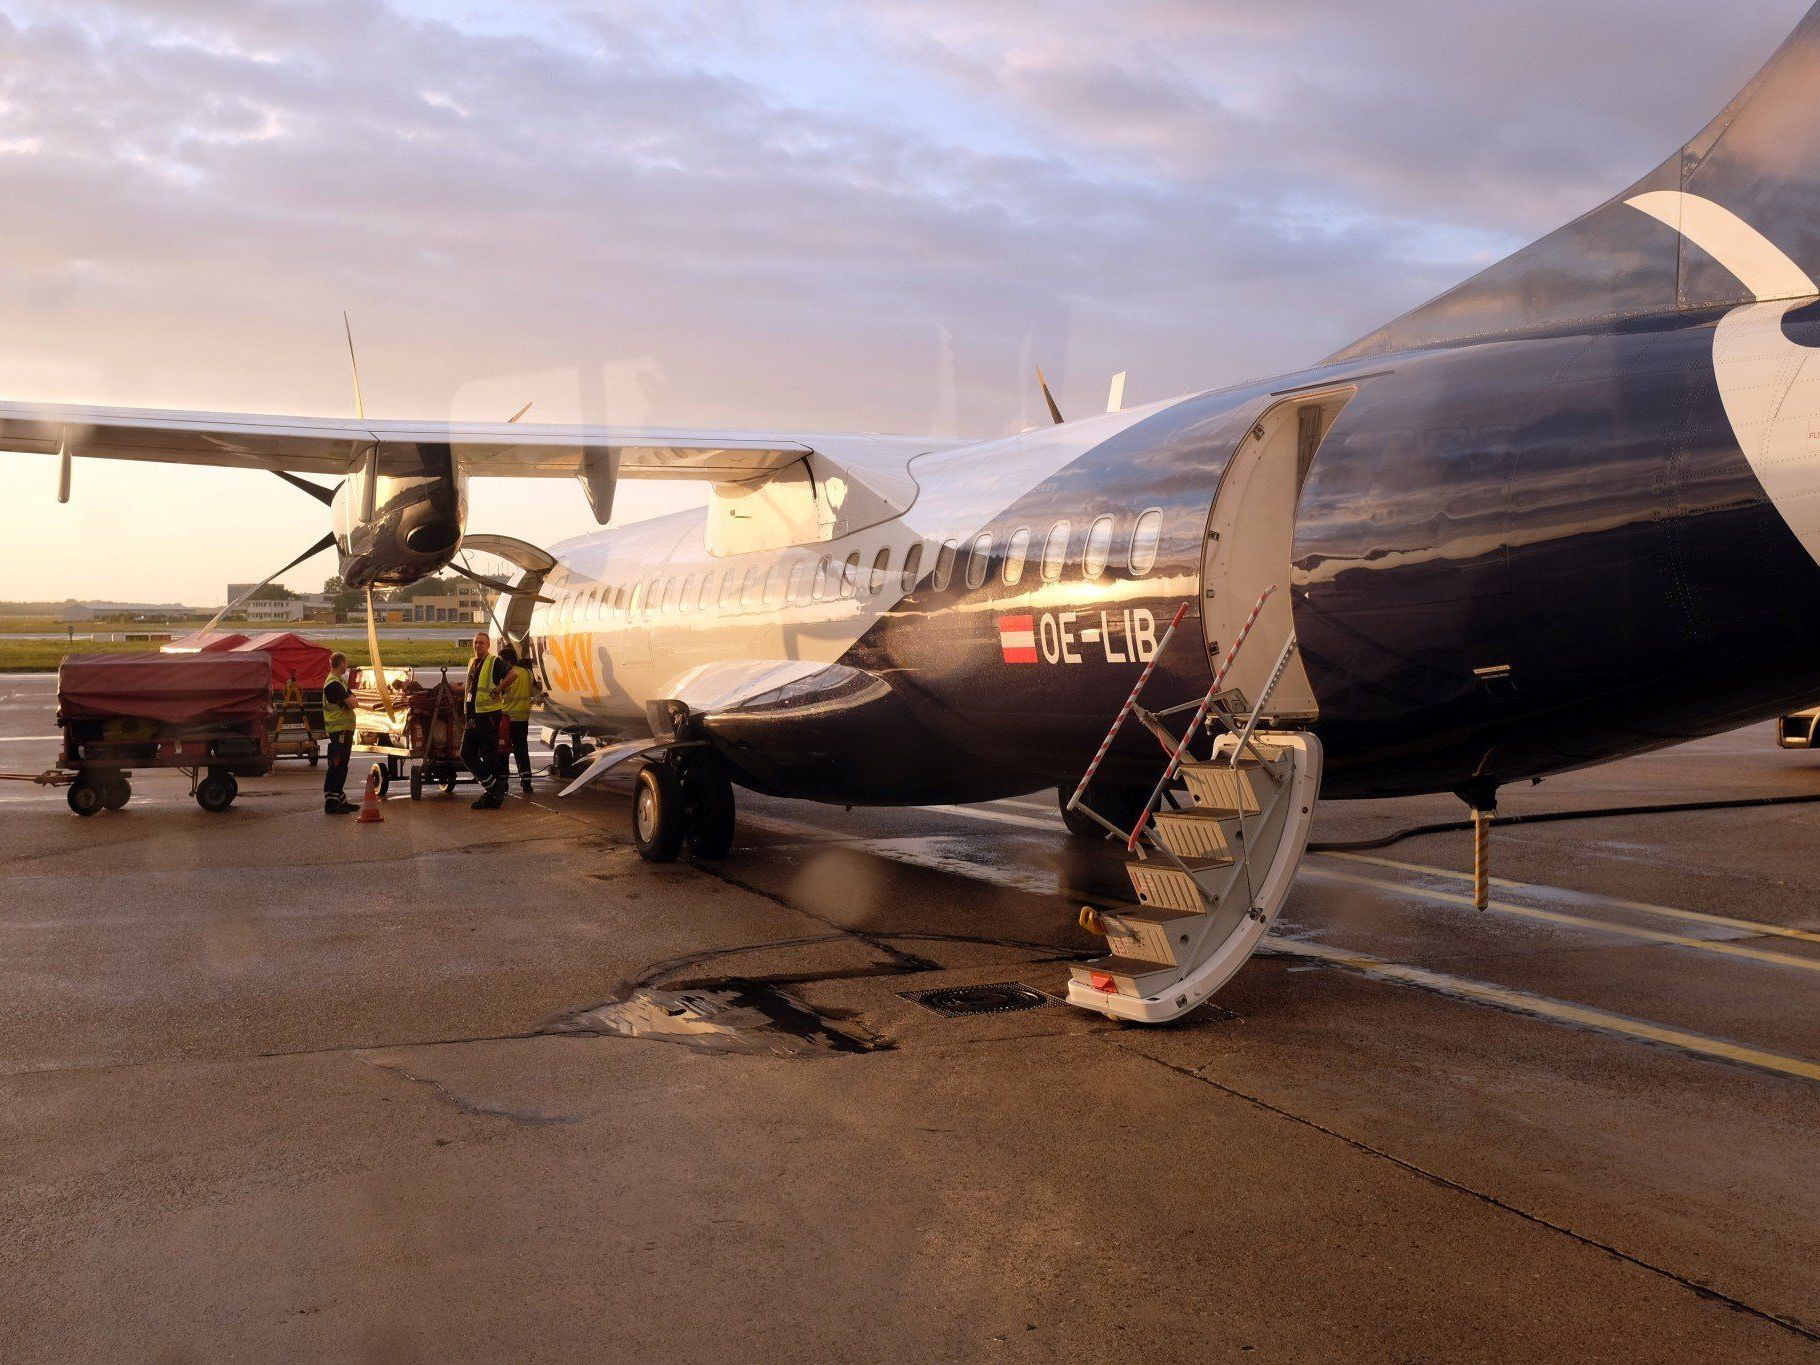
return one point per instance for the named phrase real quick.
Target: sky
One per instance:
(807, 216)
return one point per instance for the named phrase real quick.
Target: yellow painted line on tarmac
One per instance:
(1806, 964)
(1543, 1007)
(1642, 907)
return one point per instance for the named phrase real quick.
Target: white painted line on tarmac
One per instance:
(1775, 959)
(999, 817)
(1642, 907)
(1542, 1007)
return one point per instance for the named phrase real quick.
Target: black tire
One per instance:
(1120, 805)
(315, 757)
(233, 788)
(562, 760)
(116, 792)
(711, 810)
(214, 793)
(417, 784)
(659, 813)
(447, 778)
(84, 797)
(385, 778)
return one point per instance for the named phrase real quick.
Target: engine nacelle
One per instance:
(405, 524)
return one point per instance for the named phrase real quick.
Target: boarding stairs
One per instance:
(1214, 851)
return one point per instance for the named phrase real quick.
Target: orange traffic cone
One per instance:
(370, 814)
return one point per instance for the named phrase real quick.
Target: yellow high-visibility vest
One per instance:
(485, 703)
(518, 694)
(337, 716)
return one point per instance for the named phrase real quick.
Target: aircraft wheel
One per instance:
(116, 792)
(659, 814)
(215, 793)
(84, 797)
(711, 810)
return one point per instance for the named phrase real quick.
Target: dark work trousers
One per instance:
(521, 749)
(480, 747)
(336, 778)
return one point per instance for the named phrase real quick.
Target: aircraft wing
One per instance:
(333, 446)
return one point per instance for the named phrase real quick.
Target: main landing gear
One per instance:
(682, 797)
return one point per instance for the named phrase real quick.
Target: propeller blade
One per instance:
(327, 542)
(360, 402)
(385, 691)
(1048, 397)
(520, 413)
(499, 632)
(500, 586)
(325, 496)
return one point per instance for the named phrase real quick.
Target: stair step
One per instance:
(1168, 888)
(1159, 936)
(1195, 834)
(1221, 789)
(1124, 976)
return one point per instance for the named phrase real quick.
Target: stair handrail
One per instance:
(1200, 715)
(1074, 802)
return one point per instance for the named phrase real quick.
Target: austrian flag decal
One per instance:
(1017, 637)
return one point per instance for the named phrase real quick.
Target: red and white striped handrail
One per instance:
(1219, 682)
(1125, 711)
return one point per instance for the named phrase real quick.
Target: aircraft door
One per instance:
(1250, 542)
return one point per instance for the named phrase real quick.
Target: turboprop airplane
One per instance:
(1566, 512)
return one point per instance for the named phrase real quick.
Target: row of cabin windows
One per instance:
(810, 581)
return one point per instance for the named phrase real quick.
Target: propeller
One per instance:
(325, 496)
(498, 585)
(325, 543)
(1048, 397)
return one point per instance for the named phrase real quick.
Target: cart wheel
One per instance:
(447, 779)
(710, 809)
(562, 759)
(215, 793)
(315, 757)
(385, 778)
(84, 797)
(659, 817)
(116, 792)
(417, 784)
(233, 787)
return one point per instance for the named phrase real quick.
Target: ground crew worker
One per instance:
(516, 691)
(480, 741)
(338, 725)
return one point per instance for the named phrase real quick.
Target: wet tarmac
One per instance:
(466, 1086)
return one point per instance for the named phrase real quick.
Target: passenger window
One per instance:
(706, 597)
(1099, 548)
(881, 565)
(944, 566)
(748, 590)
(638, 599)
(797, 589)
(1017, 554)
(1055, 550)
(729, 590)
(822, 587)
(686, 598)
(913, 567)
(774, 585)
(849, 578)
(1145, 537)
(979, 559)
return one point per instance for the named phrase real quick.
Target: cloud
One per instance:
(811, 217)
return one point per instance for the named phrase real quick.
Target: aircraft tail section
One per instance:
(1759, 161)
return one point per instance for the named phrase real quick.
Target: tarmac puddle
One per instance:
(750, 1019)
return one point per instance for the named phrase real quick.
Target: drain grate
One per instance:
(1004, 997)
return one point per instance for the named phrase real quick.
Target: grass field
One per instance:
(43, 656)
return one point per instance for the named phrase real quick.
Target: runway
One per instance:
(273, 1085)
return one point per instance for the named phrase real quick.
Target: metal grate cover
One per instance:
(1003, 997)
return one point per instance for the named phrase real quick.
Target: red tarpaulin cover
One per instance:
(205, 642)
(175, 688)
(292, 656)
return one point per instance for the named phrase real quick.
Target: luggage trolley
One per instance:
(203, 714)
(420, 740)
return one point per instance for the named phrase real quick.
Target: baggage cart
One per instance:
(419, 740)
